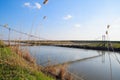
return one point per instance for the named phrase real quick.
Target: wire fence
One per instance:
(10, 34)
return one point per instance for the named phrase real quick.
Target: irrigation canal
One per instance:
(88, 64)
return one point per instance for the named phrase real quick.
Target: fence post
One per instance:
(9, 37)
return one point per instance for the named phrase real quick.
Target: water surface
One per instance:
(105, 67)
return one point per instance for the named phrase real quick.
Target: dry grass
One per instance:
(59, 71)
(23, 59)
(23, 53)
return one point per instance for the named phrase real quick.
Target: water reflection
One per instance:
(104, 67)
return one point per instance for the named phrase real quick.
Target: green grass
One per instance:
(14, 67)
(114, 45)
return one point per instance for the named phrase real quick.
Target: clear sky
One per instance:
(65, 19)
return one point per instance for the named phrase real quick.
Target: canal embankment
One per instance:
(16, 65)
(93, 45)
(115, 49)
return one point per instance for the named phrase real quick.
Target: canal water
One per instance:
(104, 67)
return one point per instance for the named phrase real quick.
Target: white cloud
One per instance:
(27, 4)
(38, 6)
(77, 25)
(67, 17)
(35, 6)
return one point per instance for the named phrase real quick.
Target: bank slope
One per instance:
(15, 67)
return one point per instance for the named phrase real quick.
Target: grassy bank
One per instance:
(15, 67)
(94, 46)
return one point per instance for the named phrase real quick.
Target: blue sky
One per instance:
(65, 19)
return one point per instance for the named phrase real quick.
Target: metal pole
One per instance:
(9, 37)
